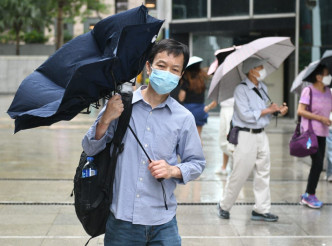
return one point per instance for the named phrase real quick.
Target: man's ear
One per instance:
(148, 68)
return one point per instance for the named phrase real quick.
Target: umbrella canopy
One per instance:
(193, 60)
(298, 83)
(85, 69)
(325, 60)
(220, 57)
(303, 79)
(229, 74)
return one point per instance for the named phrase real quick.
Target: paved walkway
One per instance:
(37, 167)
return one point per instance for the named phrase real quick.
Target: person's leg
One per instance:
(309, 198)
(262, 176)
(226, 114)
(244, 158)
(329, 156)
(316, 166)
(164, 235)
(225, 161)
(119, 233)
(199, 129)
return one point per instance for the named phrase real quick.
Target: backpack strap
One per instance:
(118, 146)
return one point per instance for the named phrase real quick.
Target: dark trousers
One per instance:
(317, 160)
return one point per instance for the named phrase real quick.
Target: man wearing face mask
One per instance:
(252, 153)
(167, 130)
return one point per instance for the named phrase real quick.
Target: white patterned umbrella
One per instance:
(229, 74)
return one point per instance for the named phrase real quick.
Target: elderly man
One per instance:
(252, 153)
(167, 130)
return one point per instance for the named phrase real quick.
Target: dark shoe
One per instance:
(222, 213)
(264, 217)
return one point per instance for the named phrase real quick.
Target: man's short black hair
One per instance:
(319, 70)
(172, 47)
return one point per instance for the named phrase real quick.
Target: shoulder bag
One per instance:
(303, 144)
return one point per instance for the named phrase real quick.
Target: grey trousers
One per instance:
(251, 154)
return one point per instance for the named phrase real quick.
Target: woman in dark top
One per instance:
(192, 93)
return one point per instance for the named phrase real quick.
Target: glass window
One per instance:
(90, 23)
(184, 9)
(151, 4)
(121, 5)
(205, 45)
(274, 6)
(229, 8)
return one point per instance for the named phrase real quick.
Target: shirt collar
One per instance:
(137, 96)
(251, 85)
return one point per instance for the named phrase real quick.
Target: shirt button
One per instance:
(145, 145)
(140, 179)
(143, 162)
(151, 112)
(148, 128)
(137, 196)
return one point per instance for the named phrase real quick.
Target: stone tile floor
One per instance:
(37, 167)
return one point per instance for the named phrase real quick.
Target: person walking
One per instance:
(321, 107)
(192, 92)
(329, 152)
(329, 155)
(252, 153)
(226, 114)
(140, 214)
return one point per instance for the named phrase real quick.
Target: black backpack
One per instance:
(93, 195)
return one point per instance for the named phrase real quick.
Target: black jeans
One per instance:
(317, 160)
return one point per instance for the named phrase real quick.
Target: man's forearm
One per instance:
(176, 172)
(101, 129)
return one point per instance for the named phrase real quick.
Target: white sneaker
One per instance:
(221, 171)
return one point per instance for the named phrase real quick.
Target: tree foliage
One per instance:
(69, 9)
(18, 16)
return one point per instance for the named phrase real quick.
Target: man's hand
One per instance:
(161, 169)
(273, 108)
(283, 109)
(114, 109)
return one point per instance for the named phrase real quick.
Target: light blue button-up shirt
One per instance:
(248, 106)
(166, 131)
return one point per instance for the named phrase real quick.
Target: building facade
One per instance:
(209, 25)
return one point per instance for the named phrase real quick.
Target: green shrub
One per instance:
(67, 36)
(34, 37)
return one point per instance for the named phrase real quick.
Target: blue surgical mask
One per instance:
(163, 82)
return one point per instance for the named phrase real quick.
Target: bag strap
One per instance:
(117, 142)
(309, 109)
(117, 149)
(146, 154)
(118, 146)
(260, 95)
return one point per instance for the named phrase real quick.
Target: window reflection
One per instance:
(184, 9)
(274, 6)
(229, 8)
(121, 5)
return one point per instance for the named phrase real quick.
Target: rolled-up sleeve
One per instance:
(190, 151)
(90, 145)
